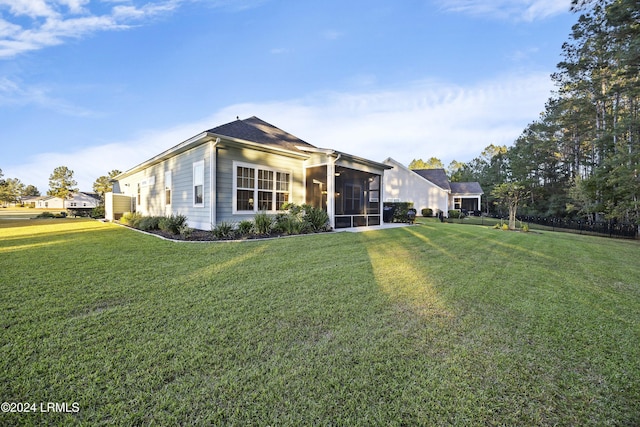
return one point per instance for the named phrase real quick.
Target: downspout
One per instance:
(213, 182)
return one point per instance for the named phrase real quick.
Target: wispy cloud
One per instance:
(419, 120)
(523, 10)
(28, 25)
(13, 93)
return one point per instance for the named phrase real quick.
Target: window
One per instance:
(245, 184)
(198, 183)
(138, 198)
(457, 203)
(167, 188)
(260, 188)
(282, 189)
(265, 187)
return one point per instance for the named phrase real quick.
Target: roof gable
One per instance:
(437, 176)
(256, 130)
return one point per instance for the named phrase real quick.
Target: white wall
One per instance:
(404, 185)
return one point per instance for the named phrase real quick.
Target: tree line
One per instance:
(61, 184)
(581, 157)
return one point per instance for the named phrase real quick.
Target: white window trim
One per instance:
(168, 184)
(193, 184)
(255, 167)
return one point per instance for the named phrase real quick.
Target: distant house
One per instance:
(429, 188)
(79, 200)
(233, 171)
(29, 201)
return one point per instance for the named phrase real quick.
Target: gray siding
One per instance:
(181, 167)
(152, 192)
(224, 176)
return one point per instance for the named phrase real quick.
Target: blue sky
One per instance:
(97, 85)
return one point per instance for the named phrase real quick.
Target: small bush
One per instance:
(172, 223)
(185, 231)
(291, 224)
(455, 214)
(426, 212)
(317, 218)
(505, 227)
(149, 223)
(263, 223)
(97, 212)
(46, 215)
(224, 230)
(245, 227)
(525, 228)
(132, 219)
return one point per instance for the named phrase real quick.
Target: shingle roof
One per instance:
(437, 176)
(256, 130)
(466, 188)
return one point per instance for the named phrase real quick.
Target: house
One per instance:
(466, 196)
(78, 200)
(233, 171)
(29, 201)
(429, 188)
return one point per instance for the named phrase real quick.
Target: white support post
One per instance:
(331, 193)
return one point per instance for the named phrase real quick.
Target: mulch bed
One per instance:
(207, 236)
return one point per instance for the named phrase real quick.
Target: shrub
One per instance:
(185, 231)
(291, 224)
(224, 230)
(525, 228)
(505, 227)
(263, 223)
(317, 218)
(46, 215)
(292, 208)
(149, 223)
(172, 223)
(97, 212)
(132, 219)
(401, 208)
(245, 227)
(455, 214)
(426, 212)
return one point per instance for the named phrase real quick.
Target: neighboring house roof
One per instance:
(90, 194)
(437, 176)
(466, 188)
(256, 130)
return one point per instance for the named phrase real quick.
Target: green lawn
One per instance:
(435, 324)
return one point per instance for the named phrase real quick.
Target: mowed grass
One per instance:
(434, 324)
